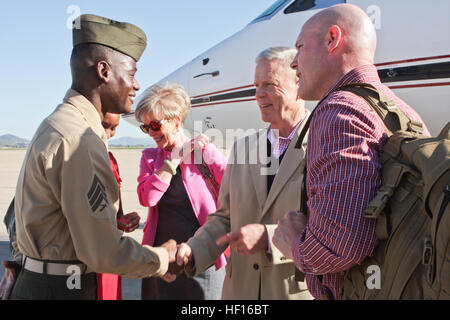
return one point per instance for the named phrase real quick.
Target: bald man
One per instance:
(334, 48)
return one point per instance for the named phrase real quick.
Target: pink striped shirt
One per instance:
(279, 143)
(343, 173)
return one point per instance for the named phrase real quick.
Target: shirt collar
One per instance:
(274, 137)
(88, 111)
(363, 74)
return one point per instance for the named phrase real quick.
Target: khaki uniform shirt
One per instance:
(67, 197)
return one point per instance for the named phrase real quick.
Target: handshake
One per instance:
(180, 259)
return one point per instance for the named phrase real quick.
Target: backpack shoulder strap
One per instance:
(393, 117)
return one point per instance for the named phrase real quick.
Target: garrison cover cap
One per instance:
(121, 36)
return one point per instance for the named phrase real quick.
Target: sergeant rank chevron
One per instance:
(97, 195)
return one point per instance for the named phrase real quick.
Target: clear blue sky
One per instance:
(36, 46)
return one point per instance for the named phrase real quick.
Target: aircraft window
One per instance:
(303, 5)
(269, 12)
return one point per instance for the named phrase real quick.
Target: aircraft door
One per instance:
(204, 80)
(204, 75)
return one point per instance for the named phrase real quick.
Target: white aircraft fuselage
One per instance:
(412, 57)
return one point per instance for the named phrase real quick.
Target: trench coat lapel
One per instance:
(257, 162)
(291, 162)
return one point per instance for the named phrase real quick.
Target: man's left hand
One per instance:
(289, 227)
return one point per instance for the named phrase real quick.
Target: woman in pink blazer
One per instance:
(172, 186)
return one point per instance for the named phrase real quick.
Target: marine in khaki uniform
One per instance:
(67, 196)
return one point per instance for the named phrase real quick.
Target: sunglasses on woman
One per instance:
(153, 125)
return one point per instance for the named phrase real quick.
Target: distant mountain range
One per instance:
(11, 141)
(131, 142)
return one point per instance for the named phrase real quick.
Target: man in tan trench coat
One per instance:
(261, 183)
(67, 197)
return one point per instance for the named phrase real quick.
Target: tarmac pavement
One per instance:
(131, 288)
